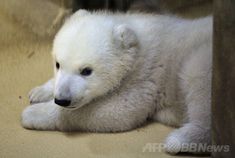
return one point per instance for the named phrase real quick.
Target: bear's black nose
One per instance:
(63, 103)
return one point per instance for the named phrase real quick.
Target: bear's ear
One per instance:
(81, 12)
(124, 37)
(78, 14)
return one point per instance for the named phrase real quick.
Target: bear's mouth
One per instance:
(73, 104)
(70, 107)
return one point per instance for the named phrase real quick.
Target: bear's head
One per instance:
(92, 55)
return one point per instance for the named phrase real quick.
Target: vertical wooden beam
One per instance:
(223, 86)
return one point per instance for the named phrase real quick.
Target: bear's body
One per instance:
(142, 66)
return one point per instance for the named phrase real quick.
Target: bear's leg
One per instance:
(122, 111)
(42, 93)
(41, 116)
(195, 135)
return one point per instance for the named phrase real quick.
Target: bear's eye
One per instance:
(57, 65)
(86, 71)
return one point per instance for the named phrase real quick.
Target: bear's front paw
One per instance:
(31, 118)
(27, 118)
(38, 116)
(40, 94)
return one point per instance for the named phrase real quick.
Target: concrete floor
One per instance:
(25, 62)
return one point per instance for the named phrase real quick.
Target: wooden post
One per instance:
(223, 86)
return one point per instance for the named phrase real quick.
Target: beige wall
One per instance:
(42, 17)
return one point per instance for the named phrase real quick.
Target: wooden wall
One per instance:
(223, 92)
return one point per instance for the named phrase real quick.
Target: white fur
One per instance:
(144, 66)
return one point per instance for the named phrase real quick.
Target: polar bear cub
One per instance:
(115, 71)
